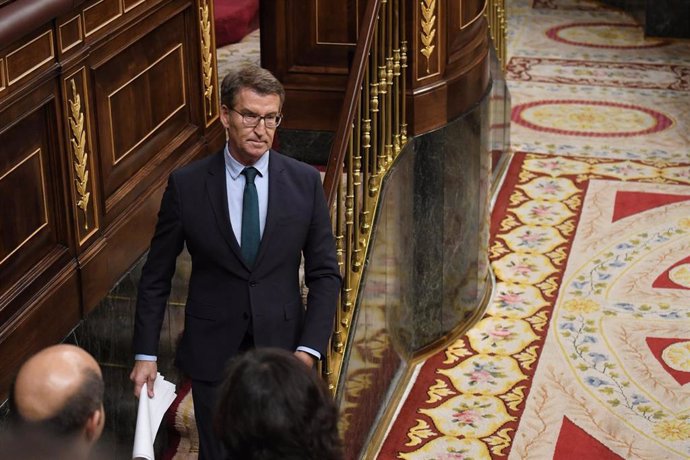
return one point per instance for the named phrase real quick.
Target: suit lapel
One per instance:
(218, 196)
(276, 194)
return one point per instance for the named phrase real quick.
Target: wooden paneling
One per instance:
(141, 95)
(28, 163)
(30, 210)
(466, 12)
(100, 13)
(70, 33)
(33, 55)
(97, 107)
(450, 49)
(131, 4)
(51, 313)
(308, 45)
(161, 81)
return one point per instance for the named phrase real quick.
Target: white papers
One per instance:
(150, 415)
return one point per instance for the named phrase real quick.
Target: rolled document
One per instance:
(150, 415)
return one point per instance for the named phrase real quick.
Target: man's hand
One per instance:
(306, 358)
(144, 372)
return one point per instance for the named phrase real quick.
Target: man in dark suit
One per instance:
(247, 216)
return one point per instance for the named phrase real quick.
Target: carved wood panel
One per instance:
(142, 99)
(97, 107)
(34, 55)
(34, 237)
(308, 46)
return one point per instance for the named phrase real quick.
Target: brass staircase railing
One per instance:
(496, 17)
(371, 133)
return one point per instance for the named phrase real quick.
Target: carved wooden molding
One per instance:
(428, 26)
(78, 141)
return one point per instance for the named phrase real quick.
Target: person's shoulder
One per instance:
(293, 165)
(200, 166)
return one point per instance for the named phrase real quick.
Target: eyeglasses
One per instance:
(251, 120)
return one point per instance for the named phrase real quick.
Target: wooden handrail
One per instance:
(349, 107)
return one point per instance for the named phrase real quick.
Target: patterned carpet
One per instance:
(584, 352)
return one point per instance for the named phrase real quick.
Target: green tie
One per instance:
(251, 235)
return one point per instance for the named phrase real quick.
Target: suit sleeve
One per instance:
(157, 273)
(322, 275)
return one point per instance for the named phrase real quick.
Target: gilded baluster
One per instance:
(338, 342)
(372, 70)
(357, 202)
(326, 369)
(389, 105)
(383, 115)
(403, 89)
(349, 232)
(396, 101)
(502, 31)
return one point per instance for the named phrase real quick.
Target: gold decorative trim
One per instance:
(3, 84)
(206, 55)
(78, 141)
(45, 203)
(428, 33)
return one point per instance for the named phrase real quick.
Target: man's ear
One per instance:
(94, 425)
(224, 116)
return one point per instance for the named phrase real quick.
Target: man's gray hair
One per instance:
(253, 77)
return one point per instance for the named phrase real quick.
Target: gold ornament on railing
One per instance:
(428, 29)
(78, 141)
(206, 55)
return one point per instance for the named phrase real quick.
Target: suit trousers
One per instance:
(205, 395)
(205, 398)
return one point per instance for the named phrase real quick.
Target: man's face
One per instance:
(247, 143)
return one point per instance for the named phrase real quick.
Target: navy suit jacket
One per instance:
(224, 293)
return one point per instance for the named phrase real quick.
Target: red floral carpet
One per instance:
(584, 351)
(586, 346)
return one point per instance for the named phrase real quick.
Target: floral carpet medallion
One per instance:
(600, 121)
(601, 364)
(590, 118)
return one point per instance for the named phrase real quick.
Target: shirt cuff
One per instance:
(145, 358)
(310, 351)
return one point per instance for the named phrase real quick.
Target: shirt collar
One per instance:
(235, 168)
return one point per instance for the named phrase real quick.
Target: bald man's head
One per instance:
(60, 389)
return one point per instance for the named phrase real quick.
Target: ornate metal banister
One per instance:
(496, 17)
(370, 134)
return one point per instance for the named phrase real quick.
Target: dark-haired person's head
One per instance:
(58, 395)
(271, 406)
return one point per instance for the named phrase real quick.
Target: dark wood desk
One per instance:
(99, 101)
